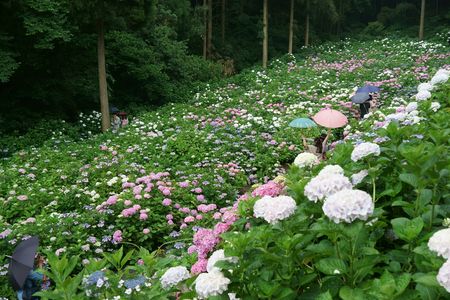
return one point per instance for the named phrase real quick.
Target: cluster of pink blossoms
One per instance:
(205, 240)
(271, 188)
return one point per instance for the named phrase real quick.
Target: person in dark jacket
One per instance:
(34, 282)
(365, 107)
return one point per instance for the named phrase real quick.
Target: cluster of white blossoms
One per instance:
(348, 205)
(443, 277)
(274, 209)
(173, 276)
(358, 177)
(441, 76)
(423, 95)
(435, 106)
(440, 243)
(365, 149)
(424, 89)
(211, 284)
(331, 169)
(306, 160)
(218, 255)
(326, 185)
(411, 107)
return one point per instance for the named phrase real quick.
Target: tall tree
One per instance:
(223, 21)
(205, 32)
(291, 27)
(210, 24)
(422, 20)
(265, 33)
(102, 84)
(307, 24)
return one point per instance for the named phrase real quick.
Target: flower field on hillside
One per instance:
(188, 185)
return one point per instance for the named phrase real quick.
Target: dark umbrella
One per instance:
(22, 262)
(368, 89)
(359, 98)
(113, 110)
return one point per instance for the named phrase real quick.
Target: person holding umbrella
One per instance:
(34, 281)
(329, 118)
(363, 99)
(23, 278)
(303, 123)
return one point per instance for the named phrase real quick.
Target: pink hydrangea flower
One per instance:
(146, 231)
(117, 236)
(220, 228)
(166, 202)
(169, 217)
(199, 217)
(217, 216)
(112, 200)
(183, 184)
(189, 219)
(22, 197)
(199, 266)
(201, 198)
(127, 202)
(271, 188)
(143, 217)
(205, 240)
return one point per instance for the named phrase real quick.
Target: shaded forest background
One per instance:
(155, 49)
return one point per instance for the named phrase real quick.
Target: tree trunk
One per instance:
(307, 24)
(102, 84)
(266, 34)
(422, 20)
(291, 28)
(210, 3)
(223, 22)
(205, 31)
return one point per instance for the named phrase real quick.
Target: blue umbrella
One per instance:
(303, 123)
(359, 98)
(368, 89)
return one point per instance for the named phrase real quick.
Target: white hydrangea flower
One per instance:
(218, 255)
(331, 169)
(274, 209)
(443, 277)
(435, 106)
(211, 284)
(348, 205)
(396, 117)
(306, 160)
(426, 86)
(173, 276)
(325, 185)
(423, 95)
(440, 243)
(411, 107)
(441, 76)
(358, 177)
(364, 149)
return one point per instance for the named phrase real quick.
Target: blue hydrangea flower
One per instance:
(133, 283)
(94, 277)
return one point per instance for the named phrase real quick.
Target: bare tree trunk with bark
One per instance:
(205, 31)
(307, 24)
(102, 84)
(266, 34)
(291, 27)
(223, 21)
(422, 20)
(209, 51)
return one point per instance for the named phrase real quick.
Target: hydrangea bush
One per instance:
(178, 181)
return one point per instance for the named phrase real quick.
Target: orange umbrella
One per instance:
(330, 118)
